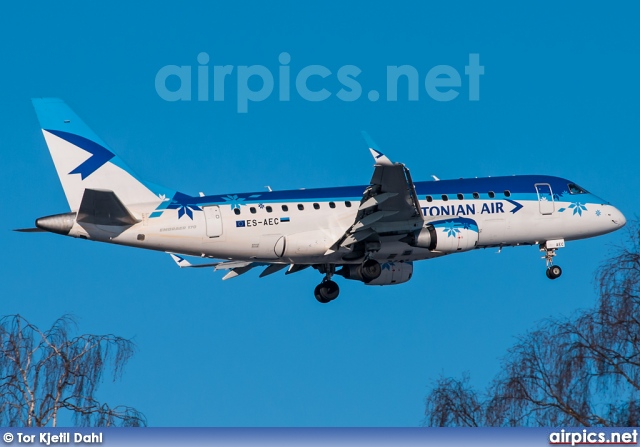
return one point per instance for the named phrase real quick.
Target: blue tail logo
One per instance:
(99, 155)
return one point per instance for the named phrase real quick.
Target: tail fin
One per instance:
(84, 161)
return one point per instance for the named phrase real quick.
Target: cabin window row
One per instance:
(475, 195)
(285, 208)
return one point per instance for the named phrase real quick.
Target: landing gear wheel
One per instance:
(326, 291)
(554, 272)
(550, 248)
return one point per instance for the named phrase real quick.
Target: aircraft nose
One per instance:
(617, 217)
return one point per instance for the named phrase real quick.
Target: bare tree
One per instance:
(45, 374)
(580, 371)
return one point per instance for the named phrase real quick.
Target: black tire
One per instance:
(370, 270)
(326, 291)
(319, 296)
(548, 272)
(555, 271)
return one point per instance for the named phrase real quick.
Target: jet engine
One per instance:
(389, 273)
(448, 236)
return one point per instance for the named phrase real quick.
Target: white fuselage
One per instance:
(301, 230)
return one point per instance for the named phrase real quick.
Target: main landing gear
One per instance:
(327, 290)
(553, 271)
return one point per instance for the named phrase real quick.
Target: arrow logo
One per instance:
(517, 208)
(99, 155)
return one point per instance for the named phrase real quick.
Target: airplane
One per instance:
(370, 233)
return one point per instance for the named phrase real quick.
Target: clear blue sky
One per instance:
(560, 96)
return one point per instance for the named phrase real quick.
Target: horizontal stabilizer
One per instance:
(102, 207)
(30, 230)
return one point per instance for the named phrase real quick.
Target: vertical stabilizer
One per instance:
(84, 161)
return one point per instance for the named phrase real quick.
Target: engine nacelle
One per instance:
(448, 236)
(392, 273)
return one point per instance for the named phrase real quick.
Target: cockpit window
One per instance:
(575, 189)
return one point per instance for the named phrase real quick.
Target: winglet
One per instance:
(182, 262)
(378, 157)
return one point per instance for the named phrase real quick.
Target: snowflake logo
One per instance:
(578, 208)
(598, 213)
(234, 201)
(188, 210)
(450, 229)
(261, 205)
(181, 202)
(557, 196)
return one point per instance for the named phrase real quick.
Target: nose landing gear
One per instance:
(553, 271)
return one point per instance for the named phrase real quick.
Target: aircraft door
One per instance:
(545, 198)
(213, 218)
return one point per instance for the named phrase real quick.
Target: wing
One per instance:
(389, 205)
(237, 268)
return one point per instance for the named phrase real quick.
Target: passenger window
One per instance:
(460, 196)
(300, 206)
(507, 193)
(236, 211)
(429, 199)
(445, 197)
(347, 204)
(476, 195)
(316, 206)
(253, 210)
(269, 209)
(285, 208)
(492, 194)
(332, 205)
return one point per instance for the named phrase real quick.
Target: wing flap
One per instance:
(237, 271)
(377, 200)
(273, 268)
(294, 268)
(230, 265)
(372, 218)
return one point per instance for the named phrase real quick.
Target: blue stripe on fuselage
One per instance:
(521, 188)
